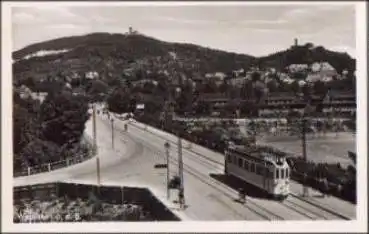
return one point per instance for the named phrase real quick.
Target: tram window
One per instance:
(277, 173)
(282, 173)
(287, 173)
(258, 170)
(240, 162)
(229, 158)
(246, 165)
(252, 167)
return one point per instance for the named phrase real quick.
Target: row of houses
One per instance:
(318, 71)
(335, 102)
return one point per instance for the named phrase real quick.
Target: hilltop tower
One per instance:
(295, 42)
(130, 30)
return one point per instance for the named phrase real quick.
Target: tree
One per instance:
(319, 88)
(97, 88)
(295, 87)
(23, 128)
(38, 152)
(63, 118)
(30, 82)
(255, 76)
(121, 101)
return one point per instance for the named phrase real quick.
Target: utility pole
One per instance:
(180, 170)
(94, 124)
(304, 154)
(112, 132)
(167, 146)
(95, 143)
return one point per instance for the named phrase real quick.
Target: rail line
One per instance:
(255, 208)
(311, 203)
(321, 207)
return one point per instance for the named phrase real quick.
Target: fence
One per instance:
(344, 192)
(59, 164)
(109, 194)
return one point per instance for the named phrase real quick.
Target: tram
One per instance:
(260, 166)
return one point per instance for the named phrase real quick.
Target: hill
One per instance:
(308, 54)
(112, 54)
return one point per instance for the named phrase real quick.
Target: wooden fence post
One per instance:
(49, 167)
(29, 170)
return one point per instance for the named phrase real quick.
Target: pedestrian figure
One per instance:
(242, 195)
(326, 186)
(181, 198)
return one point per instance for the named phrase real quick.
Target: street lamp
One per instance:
(167, 147)
(112, 133)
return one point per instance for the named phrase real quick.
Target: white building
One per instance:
(92, 75)
(297, 68)
(321, 71)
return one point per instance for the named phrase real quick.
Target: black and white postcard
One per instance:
(143, 116)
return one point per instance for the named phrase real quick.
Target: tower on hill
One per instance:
(296, 42)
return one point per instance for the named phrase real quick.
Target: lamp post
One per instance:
(112, 132)
(304, 154)
(95, 144)
(305, 113)
(180, 170)
(167, 147)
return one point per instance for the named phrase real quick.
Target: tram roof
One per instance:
(259, 151)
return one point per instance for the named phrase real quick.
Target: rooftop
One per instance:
(259, 151)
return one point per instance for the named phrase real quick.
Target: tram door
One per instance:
(267, 181)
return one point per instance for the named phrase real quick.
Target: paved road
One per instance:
(131, 163)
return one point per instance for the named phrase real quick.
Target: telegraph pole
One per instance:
(304, 154)
(167, 146)
(180, 170)
(95, 144)
(94, 124)
(112, 132)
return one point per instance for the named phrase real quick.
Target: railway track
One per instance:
(324, 212)
(257, 209)
(307, 208)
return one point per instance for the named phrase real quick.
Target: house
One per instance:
(321, 71)
(39, 96)
(24, 92)
(92, 75)
(239, 81)
(323, 68)
(297, 68)
(239, 72)
(340, 102)
(280, 103)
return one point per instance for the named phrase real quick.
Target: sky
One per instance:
(247, 29)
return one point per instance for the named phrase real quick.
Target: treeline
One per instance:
(49, 131)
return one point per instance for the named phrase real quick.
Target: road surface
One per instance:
(132, 161)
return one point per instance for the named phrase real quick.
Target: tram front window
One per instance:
(282, 173)
(277, 174)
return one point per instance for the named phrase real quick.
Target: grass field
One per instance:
(331, 148)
